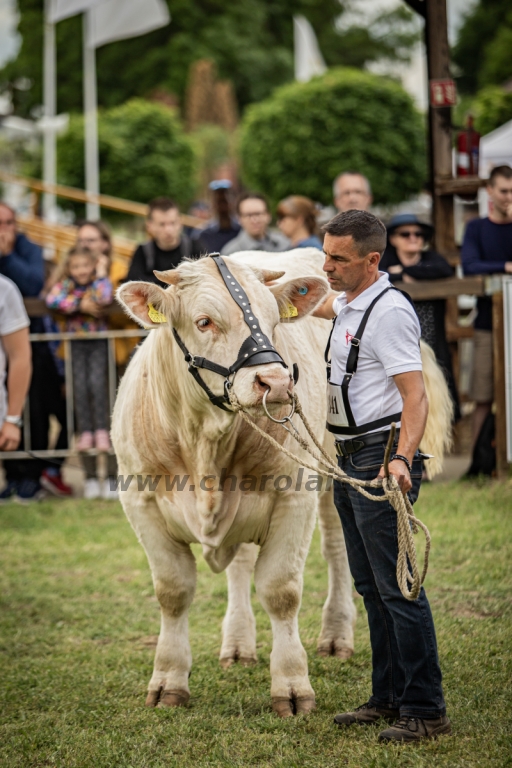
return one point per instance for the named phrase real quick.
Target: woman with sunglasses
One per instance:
(407, 259)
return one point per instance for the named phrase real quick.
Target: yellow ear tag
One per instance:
(288, 311)
(155, 316)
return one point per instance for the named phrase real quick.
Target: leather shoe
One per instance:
(366, 714)
(416, 729)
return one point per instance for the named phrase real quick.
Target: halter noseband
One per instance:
(257, 349)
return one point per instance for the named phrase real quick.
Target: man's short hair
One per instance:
(350, 173)
(161, 204)
(368, 232)
(250, 196)
(501, 170)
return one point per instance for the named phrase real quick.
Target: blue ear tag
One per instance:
(303, 290)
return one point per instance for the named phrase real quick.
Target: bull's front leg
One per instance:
(173, 569)
(339, 612)
(239, 625)
(278, 578)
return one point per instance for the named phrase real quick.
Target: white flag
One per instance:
(118, 19)
(308, 59)
(63, 9)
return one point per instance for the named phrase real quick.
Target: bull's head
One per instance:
(198, 305)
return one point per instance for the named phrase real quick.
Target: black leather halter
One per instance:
(257, 349)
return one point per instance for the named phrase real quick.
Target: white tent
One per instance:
(495, 149)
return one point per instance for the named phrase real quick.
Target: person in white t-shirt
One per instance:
(376, 379)
(16, 357)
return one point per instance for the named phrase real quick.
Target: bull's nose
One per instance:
(278, 385)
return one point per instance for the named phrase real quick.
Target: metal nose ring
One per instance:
(277, 421)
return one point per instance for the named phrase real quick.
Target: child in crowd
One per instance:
(81, 294)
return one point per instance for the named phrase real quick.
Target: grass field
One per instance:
(78, 624)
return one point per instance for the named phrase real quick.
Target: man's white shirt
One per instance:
(389, 346)
(13, 317)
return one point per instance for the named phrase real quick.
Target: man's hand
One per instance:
(400, 472)
(89, 307)
(10, 436)
(7, 240)
(508, 267)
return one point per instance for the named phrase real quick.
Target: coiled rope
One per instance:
(407, 522)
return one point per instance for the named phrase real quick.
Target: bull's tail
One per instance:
(437, 439)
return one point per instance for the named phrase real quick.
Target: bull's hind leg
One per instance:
(173, 569)
(339, 612)
(239, 625)
(278, 578)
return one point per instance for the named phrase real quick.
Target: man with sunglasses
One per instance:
(255, 218)
(408, 258)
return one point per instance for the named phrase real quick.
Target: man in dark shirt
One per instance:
(487, 249)
(168, 245)
(225, 228)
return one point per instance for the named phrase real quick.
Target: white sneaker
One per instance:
(92, 488)
(110, 493)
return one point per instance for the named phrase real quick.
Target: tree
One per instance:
(299, 139)
(143, 150)
(250, 41)
(492, 107)
(483, 47)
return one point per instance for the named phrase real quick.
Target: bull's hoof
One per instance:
(304, 704)
(285, 707)
(246, 661)
(153, 698)
(175, 698)
(171, 698)
(282, 706)
(331, 649)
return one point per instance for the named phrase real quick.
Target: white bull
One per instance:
(164, 424)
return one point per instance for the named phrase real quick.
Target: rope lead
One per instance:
(407, 571)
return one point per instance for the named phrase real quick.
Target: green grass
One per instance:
(78, 620)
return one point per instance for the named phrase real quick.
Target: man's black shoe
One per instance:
(416, 729)
(366, 714)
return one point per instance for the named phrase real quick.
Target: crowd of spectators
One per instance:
(81, 287)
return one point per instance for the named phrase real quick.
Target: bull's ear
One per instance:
(297, 298)
(148, 304)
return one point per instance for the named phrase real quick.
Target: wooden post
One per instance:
(498, 341)
(438, 65)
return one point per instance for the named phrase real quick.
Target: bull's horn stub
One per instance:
(155, 316)
(289, 311)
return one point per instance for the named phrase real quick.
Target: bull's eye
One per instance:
(204, 322)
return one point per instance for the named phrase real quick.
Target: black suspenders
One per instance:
(351, 368)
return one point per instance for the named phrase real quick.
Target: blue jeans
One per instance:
(406, 672)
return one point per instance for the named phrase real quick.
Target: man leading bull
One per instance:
(375, 379)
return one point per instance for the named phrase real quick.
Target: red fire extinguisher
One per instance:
(468, 142)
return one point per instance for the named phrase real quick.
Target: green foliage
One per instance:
(213, 147)
(143, 153)
(78, 620)
(251, 42)
(483, 48)
(492, 107)
(298, 140)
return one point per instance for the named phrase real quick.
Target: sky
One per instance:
(10, 41)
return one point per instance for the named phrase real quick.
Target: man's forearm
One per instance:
(325, 309)
(414, 419)
(18, 382)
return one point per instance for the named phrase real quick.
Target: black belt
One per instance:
(346, 447)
